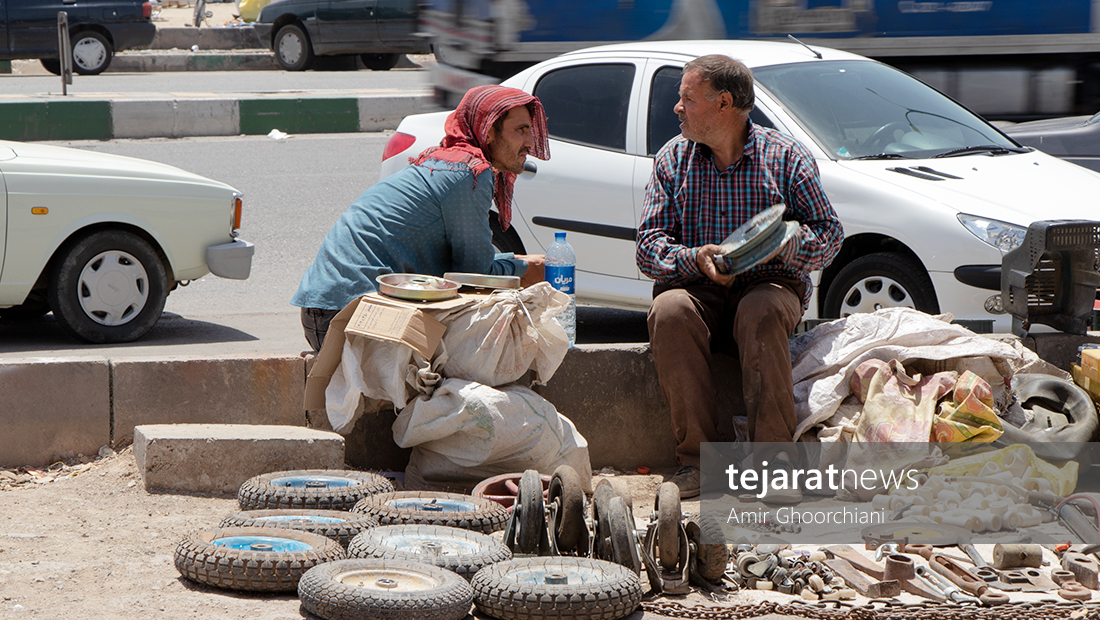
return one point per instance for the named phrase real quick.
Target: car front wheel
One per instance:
(92, 53)
(293, 50)
(880, 280)
(108, 287)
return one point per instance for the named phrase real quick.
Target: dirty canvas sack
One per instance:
(466, 432)
(498, 340)
(371, 372)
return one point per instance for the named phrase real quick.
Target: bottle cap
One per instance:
(559, 236)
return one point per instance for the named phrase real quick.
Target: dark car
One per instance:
(379, 31)
(97, 28)
(1074, 138)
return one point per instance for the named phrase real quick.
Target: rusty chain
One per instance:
(880, 610)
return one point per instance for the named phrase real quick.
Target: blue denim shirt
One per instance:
(425, 219)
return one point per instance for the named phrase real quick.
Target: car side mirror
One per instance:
(529, 169)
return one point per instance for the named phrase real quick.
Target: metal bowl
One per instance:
(478, 280)
(417, 287)
(753, 232)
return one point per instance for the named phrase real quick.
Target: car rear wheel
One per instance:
(380, 62)
(880, 280)
(293, 50)
(92, 52)
(108, 287)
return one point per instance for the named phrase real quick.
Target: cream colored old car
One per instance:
(101, 239)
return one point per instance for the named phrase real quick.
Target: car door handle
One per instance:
(68, 1)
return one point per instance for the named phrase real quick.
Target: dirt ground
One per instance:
(87, 541)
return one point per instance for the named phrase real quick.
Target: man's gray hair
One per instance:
(725, 75)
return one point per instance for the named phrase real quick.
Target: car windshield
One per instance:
(859, 109)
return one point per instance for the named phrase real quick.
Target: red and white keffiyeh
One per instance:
(467, 138)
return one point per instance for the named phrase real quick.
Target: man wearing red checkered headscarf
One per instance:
(433, 216)
(469, 135)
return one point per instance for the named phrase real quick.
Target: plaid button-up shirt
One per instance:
(690, 203)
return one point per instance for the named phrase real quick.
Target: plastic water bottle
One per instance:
(561, 267)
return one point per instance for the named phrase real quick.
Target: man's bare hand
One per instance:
(704, 258)
(536, 269)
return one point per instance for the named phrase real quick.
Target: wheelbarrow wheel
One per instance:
(435, 508)
(556, 587)
(566, 489)
(338, 525)
(390, 589)
(251, 558)
(532, 512)
(667, 504)
(461, 551)
(324, 489)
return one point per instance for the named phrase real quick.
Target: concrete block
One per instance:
(230, 390)
(611, 394)
(218, 458)
(175, 118)
(53, 408)
(381, 112)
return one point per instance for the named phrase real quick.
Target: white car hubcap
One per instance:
(89, 53)
(874, 293)
(113, 288)
(290, 48)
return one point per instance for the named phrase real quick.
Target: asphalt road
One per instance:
(294, 190)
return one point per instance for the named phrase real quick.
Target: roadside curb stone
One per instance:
(218, 458)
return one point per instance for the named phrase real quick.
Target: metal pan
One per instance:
(416, 287)
(478, 280)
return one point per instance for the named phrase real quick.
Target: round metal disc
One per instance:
(753, 232)
(765, 251)
(416, 287)
(478, 280)
(936, 534)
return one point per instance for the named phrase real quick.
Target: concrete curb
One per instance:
(58, 408)
(46, 119)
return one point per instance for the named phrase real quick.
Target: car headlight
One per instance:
(1001, 235)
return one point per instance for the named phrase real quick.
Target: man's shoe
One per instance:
(687, 480)
(791, 495)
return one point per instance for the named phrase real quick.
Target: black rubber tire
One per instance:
(197, 558)
(343, 531)
(569, 526)
(53, 65)
(505, 590)
(441, 595)
(66, 289)
(487, 516)
(667, 506)
(200, 13)
(1047, 394)
(259, 493)
(398, 542)
(296, 40)
(93, 64)
(380, 62)
(711, 553)
(861, 285)
(532, 512)
(505, 240)
(620, 530)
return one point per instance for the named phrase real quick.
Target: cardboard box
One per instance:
(1090, 363)
(383, 318)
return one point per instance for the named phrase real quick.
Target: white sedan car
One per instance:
(930, 195)
(100, 239)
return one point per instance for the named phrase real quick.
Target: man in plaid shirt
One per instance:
(719, 173)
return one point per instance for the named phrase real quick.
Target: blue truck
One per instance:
(1006, 59)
